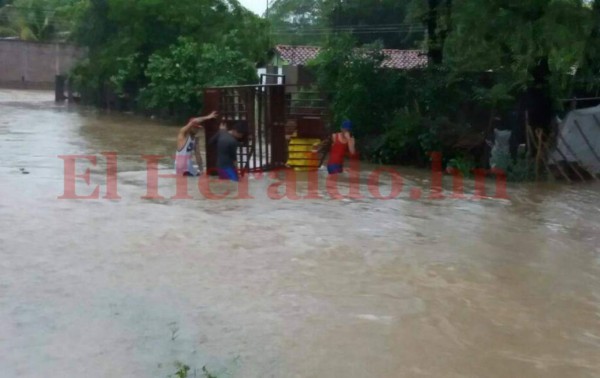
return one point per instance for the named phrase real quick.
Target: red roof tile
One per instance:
(404, 59)
(297, 55)
(397, 59)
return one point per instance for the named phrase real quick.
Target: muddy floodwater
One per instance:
(278, 288)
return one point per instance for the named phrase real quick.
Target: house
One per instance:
(286, 55)
(292, 60)
(305, 105)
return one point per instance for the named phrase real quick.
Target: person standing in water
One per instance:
(342, 144)
(227, 144)
(186, 147)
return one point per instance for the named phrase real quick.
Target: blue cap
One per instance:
(347, 125)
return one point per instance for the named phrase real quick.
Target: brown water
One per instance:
(265, 288)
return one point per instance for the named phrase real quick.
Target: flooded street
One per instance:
(278, 288)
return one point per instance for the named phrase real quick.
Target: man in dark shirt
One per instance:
(227, 144)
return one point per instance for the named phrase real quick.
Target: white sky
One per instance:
(256, 6)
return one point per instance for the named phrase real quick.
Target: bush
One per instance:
(400, 116)
(463, 164)
(176, 79)
(360, 89)
(521, 169)
(401, 139)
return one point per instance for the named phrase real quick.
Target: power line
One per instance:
(62, 22)
(53, 21)
(389, 28)
(363, 26)
(48, 10)
(365, 29)
(373, 29)
(323, 33)
(372, 26)
(349, 29)
(326, 31)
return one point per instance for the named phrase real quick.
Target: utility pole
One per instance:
(268, 26)
(267, 18)
(268, 23)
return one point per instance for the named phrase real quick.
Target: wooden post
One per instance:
(538, 157)
(527, 133)
(59, 88)
(70, 90)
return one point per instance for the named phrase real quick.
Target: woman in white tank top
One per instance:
(186, 147)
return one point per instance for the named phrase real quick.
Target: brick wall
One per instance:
(35, 65)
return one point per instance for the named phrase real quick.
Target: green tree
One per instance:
(38, 20)
(298, 22)
(178, 76)
(588, 72)
(360, 89)
(311, 21)
(526, 40)
(438, 21)
(28, 20)
(125, 36)
(369, 21)
(486, 57)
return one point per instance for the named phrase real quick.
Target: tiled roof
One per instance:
(404, 59)
(297, 55)
(397, 59)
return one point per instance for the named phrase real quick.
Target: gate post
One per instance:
(277, 125)
(212, 101)
(59, 88)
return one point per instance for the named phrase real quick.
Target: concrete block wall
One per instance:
(35, 65)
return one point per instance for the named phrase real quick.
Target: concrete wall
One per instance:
(35, 65)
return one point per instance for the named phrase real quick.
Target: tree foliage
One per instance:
(401, 116)
(386, 21)
(360, 88)
(311, 21)
(131, 43)
(491, 57)
(298, 22)
(517, 37)
(588, 73)
(37, 20)
(179, 75)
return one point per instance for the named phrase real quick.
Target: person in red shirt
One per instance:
(342, 145)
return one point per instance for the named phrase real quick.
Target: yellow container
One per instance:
(299, 141)
(301, 154)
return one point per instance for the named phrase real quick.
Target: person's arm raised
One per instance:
(184, 132)
(201, 120)
(194, 122)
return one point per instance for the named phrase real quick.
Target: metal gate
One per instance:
(263, 108)
(271, 111)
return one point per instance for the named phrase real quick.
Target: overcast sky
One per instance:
(256, 6)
